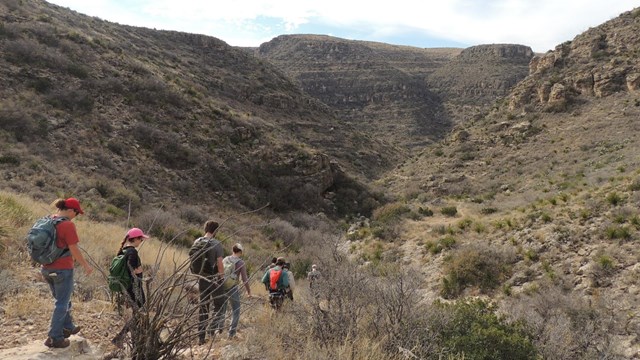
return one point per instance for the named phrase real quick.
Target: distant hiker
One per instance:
(234, 269)
(276, 281)
(289, 289)
(313, 275)
(206, 261)
(133, 294)
(59, 273)
(273, 263)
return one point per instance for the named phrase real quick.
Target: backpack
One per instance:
(119, 277)
(230, 275)
(41, 240)
(274, 277)
(200, 264)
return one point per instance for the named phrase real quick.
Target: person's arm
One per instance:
(77, 256)
(220, 266)
(285, 279)
(292, 280)
(134, 261)
(244, 277)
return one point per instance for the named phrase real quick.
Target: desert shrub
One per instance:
(488, 210)
(618, 232)
(425, 211)
(478, 266)
(437, 247)
(41, 84)
(20, 123)
(564, 324)
(13, 212)
(614, 198)
(449, 211)
(149, 90)
(605, 262)
(9, 159)
(635, 185)
(74, 100)
(464, 223)
(167, 147)
(193, 215)
(283, 231)
(164, 225)
(390, 212)
(473, 329)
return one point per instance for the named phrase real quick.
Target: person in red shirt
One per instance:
(59, 274)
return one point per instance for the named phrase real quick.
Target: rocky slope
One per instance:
(398, 92)
(481, 74)
(598, 63)
(119, 113)
(548, 182)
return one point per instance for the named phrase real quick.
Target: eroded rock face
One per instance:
(401, 93)
(481, 74)
(598, 62)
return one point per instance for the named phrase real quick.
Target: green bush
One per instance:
(449, 211)
(614, 199)
(390, 212)
(436, 247)
(488, 210)
(477, 266)
(473, 330)
(618, 232)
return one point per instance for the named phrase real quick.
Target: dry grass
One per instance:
(24, 305)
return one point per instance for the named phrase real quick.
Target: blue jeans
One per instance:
(233, 297)
(61, 285)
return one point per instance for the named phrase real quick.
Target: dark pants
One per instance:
(211, 292)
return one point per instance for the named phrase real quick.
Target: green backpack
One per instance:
(119, 278)
(230, 275)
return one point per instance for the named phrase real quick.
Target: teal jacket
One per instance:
(283, 281)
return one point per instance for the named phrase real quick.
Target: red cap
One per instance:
(136, 233)
(73, 203)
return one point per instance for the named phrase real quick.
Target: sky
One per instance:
(541, 24)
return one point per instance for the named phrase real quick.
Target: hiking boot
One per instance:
(67, 333)
(57, 344)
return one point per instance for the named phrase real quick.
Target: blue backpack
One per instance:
(41, 241)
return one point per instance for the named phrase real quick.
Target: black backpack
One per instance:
(200, 263)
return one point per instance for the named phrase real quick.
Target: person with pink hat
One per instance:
(134, 296)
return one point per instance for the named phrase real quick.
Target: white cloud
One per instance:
(541, 24)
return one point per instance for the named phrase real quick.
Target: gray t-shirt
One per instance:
(215, 251)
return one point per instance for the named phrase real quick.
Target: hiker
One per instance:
(235, 269)
(273, 263)
(206, 261)
(59, 273)
(313, 275)
(134, 295)
(274, 279)
(289, 289)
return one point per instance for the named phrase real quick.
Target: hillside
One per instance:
(124, 115)
(509, 231)
(537, 202)
(410, 95)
